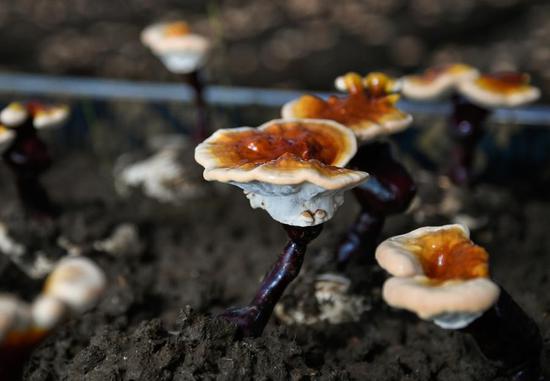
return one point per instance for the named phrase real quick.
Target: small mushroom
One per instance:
(77, 282)
(183, 53)
(441, 275)
(75, 285)
(27, 155)
(368, 109)
(437, 82)
(292, 168)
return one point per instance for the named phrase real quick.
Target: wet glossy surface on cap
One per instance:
(449, 255)
(505, 82)
(355, 108)
(302, 141)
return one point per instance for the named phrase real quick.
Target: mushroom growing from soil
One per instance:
(183, 53)
(369, 111)
(474, 95)
(27, 155)
(442, 276)
(292, 168)
(74, 286)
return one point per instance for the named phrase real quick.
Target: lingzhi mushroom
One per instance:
(74, 286)
(292, 168)
(442, 276)
(474, 95)
(183, 53)
(26, 154)
(368, 110)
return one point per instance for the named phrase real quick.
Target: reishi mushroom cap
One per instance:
(503, 89)
(437, 82)
(439, 274)
(369, 109)
(180, 50)
(290, 167)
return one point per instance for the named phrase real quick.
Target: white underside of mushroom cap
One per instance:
(365, 131)
(77, 282)
(492, 99)
(451, 305)
(302, 204)
(394, 256)
(183, 62)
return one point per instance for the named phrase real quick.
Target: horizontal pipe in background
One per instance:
(79, 87)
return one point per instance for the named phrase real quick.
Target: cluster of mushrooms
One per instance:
(74, 283)
(297, 168)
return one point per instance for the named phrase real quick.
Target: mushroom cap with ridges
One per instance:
(390, 122)
(452, 301)
(222, 162)
(437, 82)
(499, 90)
(391, 85)
(292, 168)
(76, 281)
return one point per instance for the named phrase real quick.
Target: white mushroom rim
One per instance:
(366, 129)
(181, 52)
(437, 83)
(439, 274)
(492, 92)
(74, 285)
(292, 168)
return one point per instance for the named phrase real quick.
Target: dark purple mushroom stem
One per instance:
(466, 130)
(506, 335)
(389, 190)
(194, 79)
(252, 319)
(28, 158)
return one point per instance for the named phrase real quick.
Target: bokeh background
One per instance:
(284, 43)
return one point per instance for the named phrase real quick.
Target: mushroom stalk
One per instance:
(195, 80)
(28, 158)
(253, 318)
(466, 130)
(389, 190)
(507, 335)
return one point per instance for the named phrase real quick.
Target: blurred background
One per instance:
(285, 43)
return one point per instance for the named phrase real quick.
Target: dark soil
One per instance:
(156, 320)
